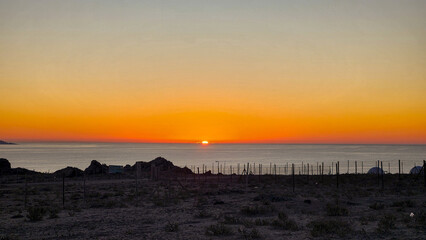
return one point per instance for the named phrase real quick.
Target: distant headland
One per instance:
(3, 142)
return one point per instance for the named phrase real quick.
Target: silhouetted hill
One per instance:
(3, 142)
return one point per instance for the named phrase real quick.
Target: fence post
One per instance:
(286, 170)
(356, 167)
(307, 176)
(248, 167)
(275, 172)
(337, 174)
(238, 169)
(399, 169)
(63, 190)
(348, 166)
(260, 172)
(84, 187)
(25, 197)
(424, 172)
(317, 169)
(292, 170)
(383, 176)
(136, 183)
(378, 172)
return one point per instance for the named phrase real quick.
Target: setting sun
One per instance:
(204, 142)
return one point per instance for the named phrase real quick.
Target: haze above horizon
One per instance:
(220, 71)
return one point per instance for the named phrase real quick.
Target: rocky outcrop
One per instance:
(69, 172)
(96, 168)
(161, 164)
(129, 169)
(3, 142)
(4, 166)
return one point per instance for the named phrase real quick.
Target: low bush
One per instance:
(262, 222)
(377, 206)
(336, 210)
(247, 234)
(171, 227)
(218, 230)
(257, 209)
(203, 214)
(386, 223)
(329, 227)
(36, 213)
(402, 204)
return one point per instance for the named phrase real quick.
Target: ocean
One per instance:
(49, 157)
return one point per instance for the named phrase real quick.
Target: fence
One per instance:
(66, 187)
(301, 168)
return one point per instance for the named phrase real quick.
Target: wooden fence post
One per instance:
(63, 190)
(378, 173)
(275, 173)
(383, 176)
(424, 172)
(337, 174)
(25, 197)
(307, 176)
(84, 187)
(356, 167)
(399, 169)
(136, 183)
(247, 179)
(348, 166)
(317, 169)
(292, 170)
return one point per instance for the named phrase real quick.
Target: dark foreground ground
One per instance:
(214, 208)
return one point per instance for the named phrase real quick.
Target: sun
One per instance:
(205, 142)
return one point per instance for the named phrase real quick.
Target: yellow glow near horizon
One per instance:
(227, 71)
(205, 142)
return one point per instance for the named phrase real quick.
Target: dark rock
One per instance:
(23, 171)
(163, 165)
(308, 201)
(218, 202)
(96, 168)
(4, 165)
(129, 168)
(3, 142)
(69, 172)
(208, 173)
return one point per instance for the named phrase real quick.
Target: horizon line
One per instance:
(214, 142)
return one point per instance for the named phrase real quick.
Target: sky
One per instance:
(222, 71)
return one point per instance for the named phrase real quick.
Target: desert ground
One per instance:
(213, 207)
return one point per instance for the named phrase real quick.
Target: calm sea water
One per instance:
(49, 157)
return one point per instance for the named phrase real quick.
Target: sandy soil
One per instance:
(214, 208)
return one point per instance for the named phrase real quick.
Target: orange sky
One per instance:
(228, 71)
